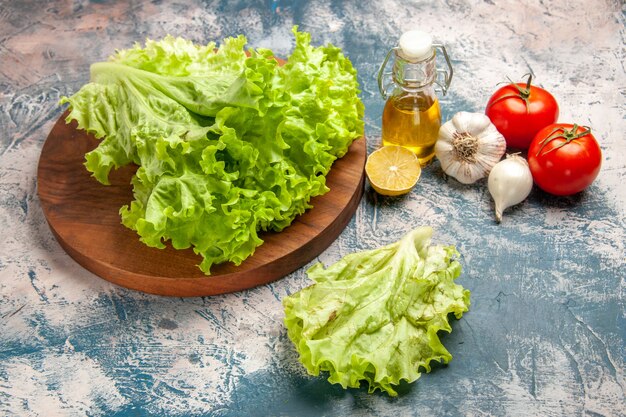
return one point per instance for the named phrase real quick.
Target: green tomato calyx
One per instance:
(561, 132)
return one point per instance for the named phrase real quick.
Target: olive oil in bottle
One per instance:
(412, 121)
(411, 117)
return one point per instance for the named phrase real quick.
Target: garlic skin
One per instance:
(468, 146)
(510, 182)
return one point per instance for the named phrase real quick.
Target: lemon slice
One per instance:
(392, 170)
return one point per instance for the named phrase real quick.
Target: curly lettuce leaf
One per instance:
(136, 99)
(374, 316)
(228, 143)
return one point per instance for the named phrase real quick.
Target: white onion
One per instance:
(510, 182)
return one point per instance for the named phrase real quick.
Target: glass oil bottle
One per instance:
(411, 116)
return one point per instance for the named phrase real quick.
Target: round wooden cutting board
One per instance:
(84, 216)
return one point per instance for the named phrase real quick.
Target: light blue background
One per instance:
(545, 333)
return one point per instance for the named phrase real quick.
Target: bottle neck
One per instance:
(414, 75)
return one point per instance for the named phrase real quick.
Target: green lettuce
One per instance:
(228, 143)
(374, 316)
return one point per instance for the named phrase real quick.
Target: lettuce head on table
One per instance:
(227, 143)
(374, 316)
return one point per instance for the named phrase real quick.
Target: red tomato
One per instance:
(564, 158)
(520, 110)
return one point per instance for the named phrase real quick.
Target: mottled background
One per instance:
(545, 333)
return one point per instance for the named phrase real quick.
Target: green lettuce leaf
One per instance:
(374, 316)
(228, 143)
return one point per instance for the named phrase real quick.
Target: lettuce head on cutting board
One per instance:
(374, 316)
(227, 144)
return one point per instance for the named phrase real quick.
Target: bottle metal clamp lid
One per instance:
(415, 45)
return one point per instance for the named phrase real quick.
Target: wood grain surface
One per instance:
(83, 215)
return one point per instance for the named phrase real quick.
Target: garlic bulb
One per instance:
(510, 182)
(469, 145)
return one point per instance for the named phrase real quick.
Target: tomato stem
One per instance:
(561, 132)
(522, 93)
(505, 97)
(528, 82)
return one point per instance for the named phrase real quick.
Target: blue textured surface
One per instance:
(545, 333)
